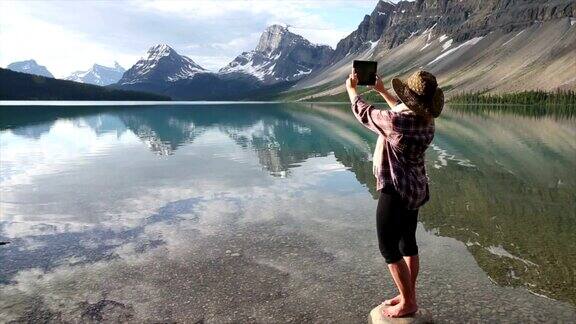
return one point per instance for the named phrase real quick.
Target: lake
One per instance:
(247, 212)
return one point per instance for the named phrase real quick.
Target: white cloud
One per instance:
(67, 36)
(63, 50)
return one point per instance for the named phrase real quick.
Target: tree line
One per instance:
(533, 97)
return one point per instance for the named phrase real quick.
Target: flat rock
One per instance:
(420, 317)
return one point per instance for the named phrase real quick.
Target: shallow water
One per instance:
(265, 213)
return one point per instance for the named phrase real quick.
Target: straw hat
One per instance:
(420, 93)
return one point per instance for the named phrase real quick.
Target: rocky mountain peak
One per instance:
(280, 56)
(158, 51)
(116, 67)
(385, 6)
(271, 39)
(162, 63)
(98, 75)
(30, 67)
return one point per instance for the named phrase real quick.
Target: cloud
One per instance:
(72, 35)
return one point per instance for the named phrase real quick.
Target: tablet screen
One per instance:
(366, 71)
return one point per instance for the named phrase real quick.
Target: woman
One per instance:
(404, 134)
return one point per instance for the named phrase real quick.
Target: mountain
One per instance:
(280, 56)
(162, 64)
(99, 75)
(166, 72)
(280, 59)
(23, 86)
(30, 67)
(471, 45)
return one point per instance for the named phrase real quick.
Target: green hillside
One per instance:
(22, 86)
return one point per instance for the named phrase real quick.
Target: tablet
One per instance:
(366, 72)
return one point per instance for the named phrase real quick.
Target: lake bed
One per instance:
(266, 213)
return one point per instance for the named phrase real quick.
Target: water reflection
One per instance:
(80, 192)
(516, 208)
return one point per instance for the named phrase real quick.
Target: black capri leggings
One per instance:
(395, 226)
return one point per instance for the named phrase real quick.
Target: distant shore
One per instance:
(533, 97)
(523, 98)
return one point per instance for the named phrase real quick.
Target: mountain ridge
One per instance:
(24, 86)
(280, 58)
(30, 67)
(471, 45)
(98, 75)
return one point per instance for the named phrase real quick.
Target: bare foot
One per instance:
(392, 301)
(399, 310)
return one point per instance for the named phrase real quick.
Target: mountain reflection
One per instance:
(503, 184)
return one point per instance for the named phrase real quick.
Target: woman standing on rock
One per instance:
(404, 134)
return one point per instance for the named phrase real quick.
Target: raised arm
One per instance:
(351, 84)
(379, 121)
(390, 98)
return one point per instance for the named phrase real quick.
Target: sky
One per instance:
(67, 36)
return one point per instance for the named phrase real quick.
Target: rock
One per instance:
(108, 311)
(421, 316)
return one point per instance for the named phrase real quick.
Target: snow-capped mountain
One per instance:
(161, 64)
(99, 75)
(280, 56)
(30, 67)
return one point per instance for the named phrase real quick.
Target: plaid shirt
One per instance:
(407, 136)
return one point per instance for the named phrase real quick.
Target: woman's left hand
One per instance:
(352, 80)
(379, 85)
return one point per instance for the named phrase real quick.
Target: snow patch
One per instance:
(372, 46)
(157, 52)
(443, 37)
(511, 39)
(447, 45)
(413, 33)
(572, 21)
(248, 68)
(471, 42)
(300, 73)
(428, 32)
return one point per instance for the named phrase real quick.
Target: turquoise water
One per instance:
(266, 213)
